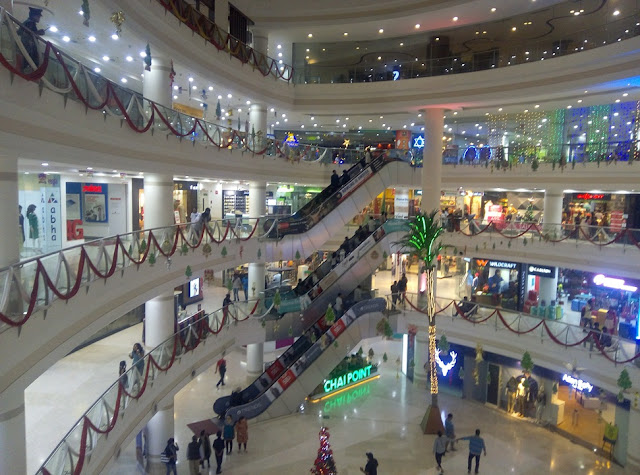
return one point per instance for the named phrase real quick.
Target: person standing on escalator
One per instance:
(344, 179)
(335, 180)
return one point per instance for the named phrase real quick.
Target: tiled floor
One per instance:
(383, 418)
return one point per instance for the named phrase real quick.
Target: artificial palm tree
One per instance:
(420, 242)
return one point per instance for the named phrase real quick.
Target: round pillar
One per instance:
(10, 235)
(256, 279)
(13, 456)
(257, 199)
(552, 213)
(158, 201)
(432, 161)
(157, 83)
(257, 126)
(159, 431)
(159, 319)
(549, 288)
(255, 360)
(260, 40)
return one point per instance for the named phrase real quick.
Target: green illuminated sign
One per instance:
(345, 379)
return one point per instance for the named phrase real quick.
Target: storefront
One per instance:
(185, 200)
(507, 207)
(39, 201)
(542, 292)
(499, 283)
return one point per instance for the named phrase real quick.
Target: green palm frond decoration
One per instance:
(420, 241)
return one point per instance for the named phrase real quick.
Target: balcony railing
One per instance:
(223, 41)
(101, 418)
(35, 283)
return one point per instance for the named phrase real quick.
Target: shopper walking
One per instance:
(205, 449)
(237, 285)
(371, 468)
(193, 456)
(137, 355)
(242, 433)
(229, 434)
(439, 449)
(218, 450)
(450, 432)
(476, 447)
(170, 455)
(221, 366)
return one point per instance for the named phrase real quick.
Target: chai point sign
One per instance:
(346, 379)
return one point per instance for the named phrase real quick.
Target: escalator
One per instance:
(325, 202)
(285, 384)
(343, 278)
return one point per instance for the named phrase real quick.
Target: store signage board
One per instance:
(577, 384)
(503, 264)
(593, 196)
(446, 367)
(542, 271)
(345, 379)
(612, 283)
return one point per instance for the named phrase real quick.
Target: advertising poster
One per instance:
(401, 203)
(94, 203)
(51, 217)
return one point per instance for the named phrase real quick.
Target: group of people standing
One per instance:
(442, 442)
(200, 450)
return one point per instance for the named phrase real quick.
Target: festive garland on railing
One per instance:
(591, 335)
(533, 227)
(41, 271)
(193, 19)
(87, 424)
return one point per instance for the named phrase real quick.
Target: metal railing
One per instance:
(71, 453)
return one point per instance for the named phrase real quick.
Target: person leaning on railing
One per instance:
(27, 35)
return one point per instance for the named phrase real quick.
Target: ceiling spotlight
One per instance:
(143, 54)
(92, 39)
(66, 39)
(229, 96)
(211, 88)
(53, 29)
(115, 36)
(190, 79)
(219, 96)
(346, 34)
(417, 27)
(45, 164)
(381, 30)
(129, 58)
(97, 70)
(175, 97)
(279, 46)
(455, 18)
(105, 58)
(310, 35)
(123, 80)
(194, 87)
(248, 103)
(493, 10)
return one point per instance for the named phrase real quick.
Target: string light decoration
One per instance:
(597, 132)
(433, 368)
(324, 463)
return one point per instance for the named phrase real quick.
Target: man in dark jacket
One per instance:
(218, 449)
(193, 456)
(27, 32)
(335, 180)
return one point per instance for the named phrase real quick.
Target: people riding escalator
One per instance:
(344, 178)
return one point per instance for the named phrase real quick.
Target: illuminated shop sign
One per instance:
(503, 264)
(446, 367)
(542, 271)
(612, 283)
(92, 188)
(418, 142)
(350, 377)
(577, 384)
(592, 196)
(291, 140)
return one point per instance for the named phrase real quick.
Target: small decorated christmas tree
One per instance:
(324, 463)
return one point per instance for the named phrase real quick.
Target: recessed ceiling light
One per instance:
(89, 168)
(381, 30)
(513, 28)
(625, 94)
(417, 27)
(229, 96)
(45, 164)
(175, 97)
(616, 12)
(313, 118)
(500, 109)
(493, 10)
(279, 46)
(66, 39)
(123, 80)
(105, 58)
(579, 101)
(537, 105)
(53, 29)
(194, 87)
(190, 79)
(248, 103)
(455, 18)
(346, 34)
(211, 88)
(97, 70)
(129, 58)
(80, 12)
(115, 36)
(219, 96)
(310, 35)
(143, 54)
(307, 50)
(92, 39)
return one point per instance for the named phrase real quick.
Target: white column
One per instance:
(10, 236)
(158, 319)
(257, 123)
(260, 40)
(552, 213)
(255, 360)
(257, 199)
(157, 84)
(256, 279)
(421, 358)
(432, 162)
(222, 14)
(158, 201)
(549, 288)
(13, 456)
(159, 431)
